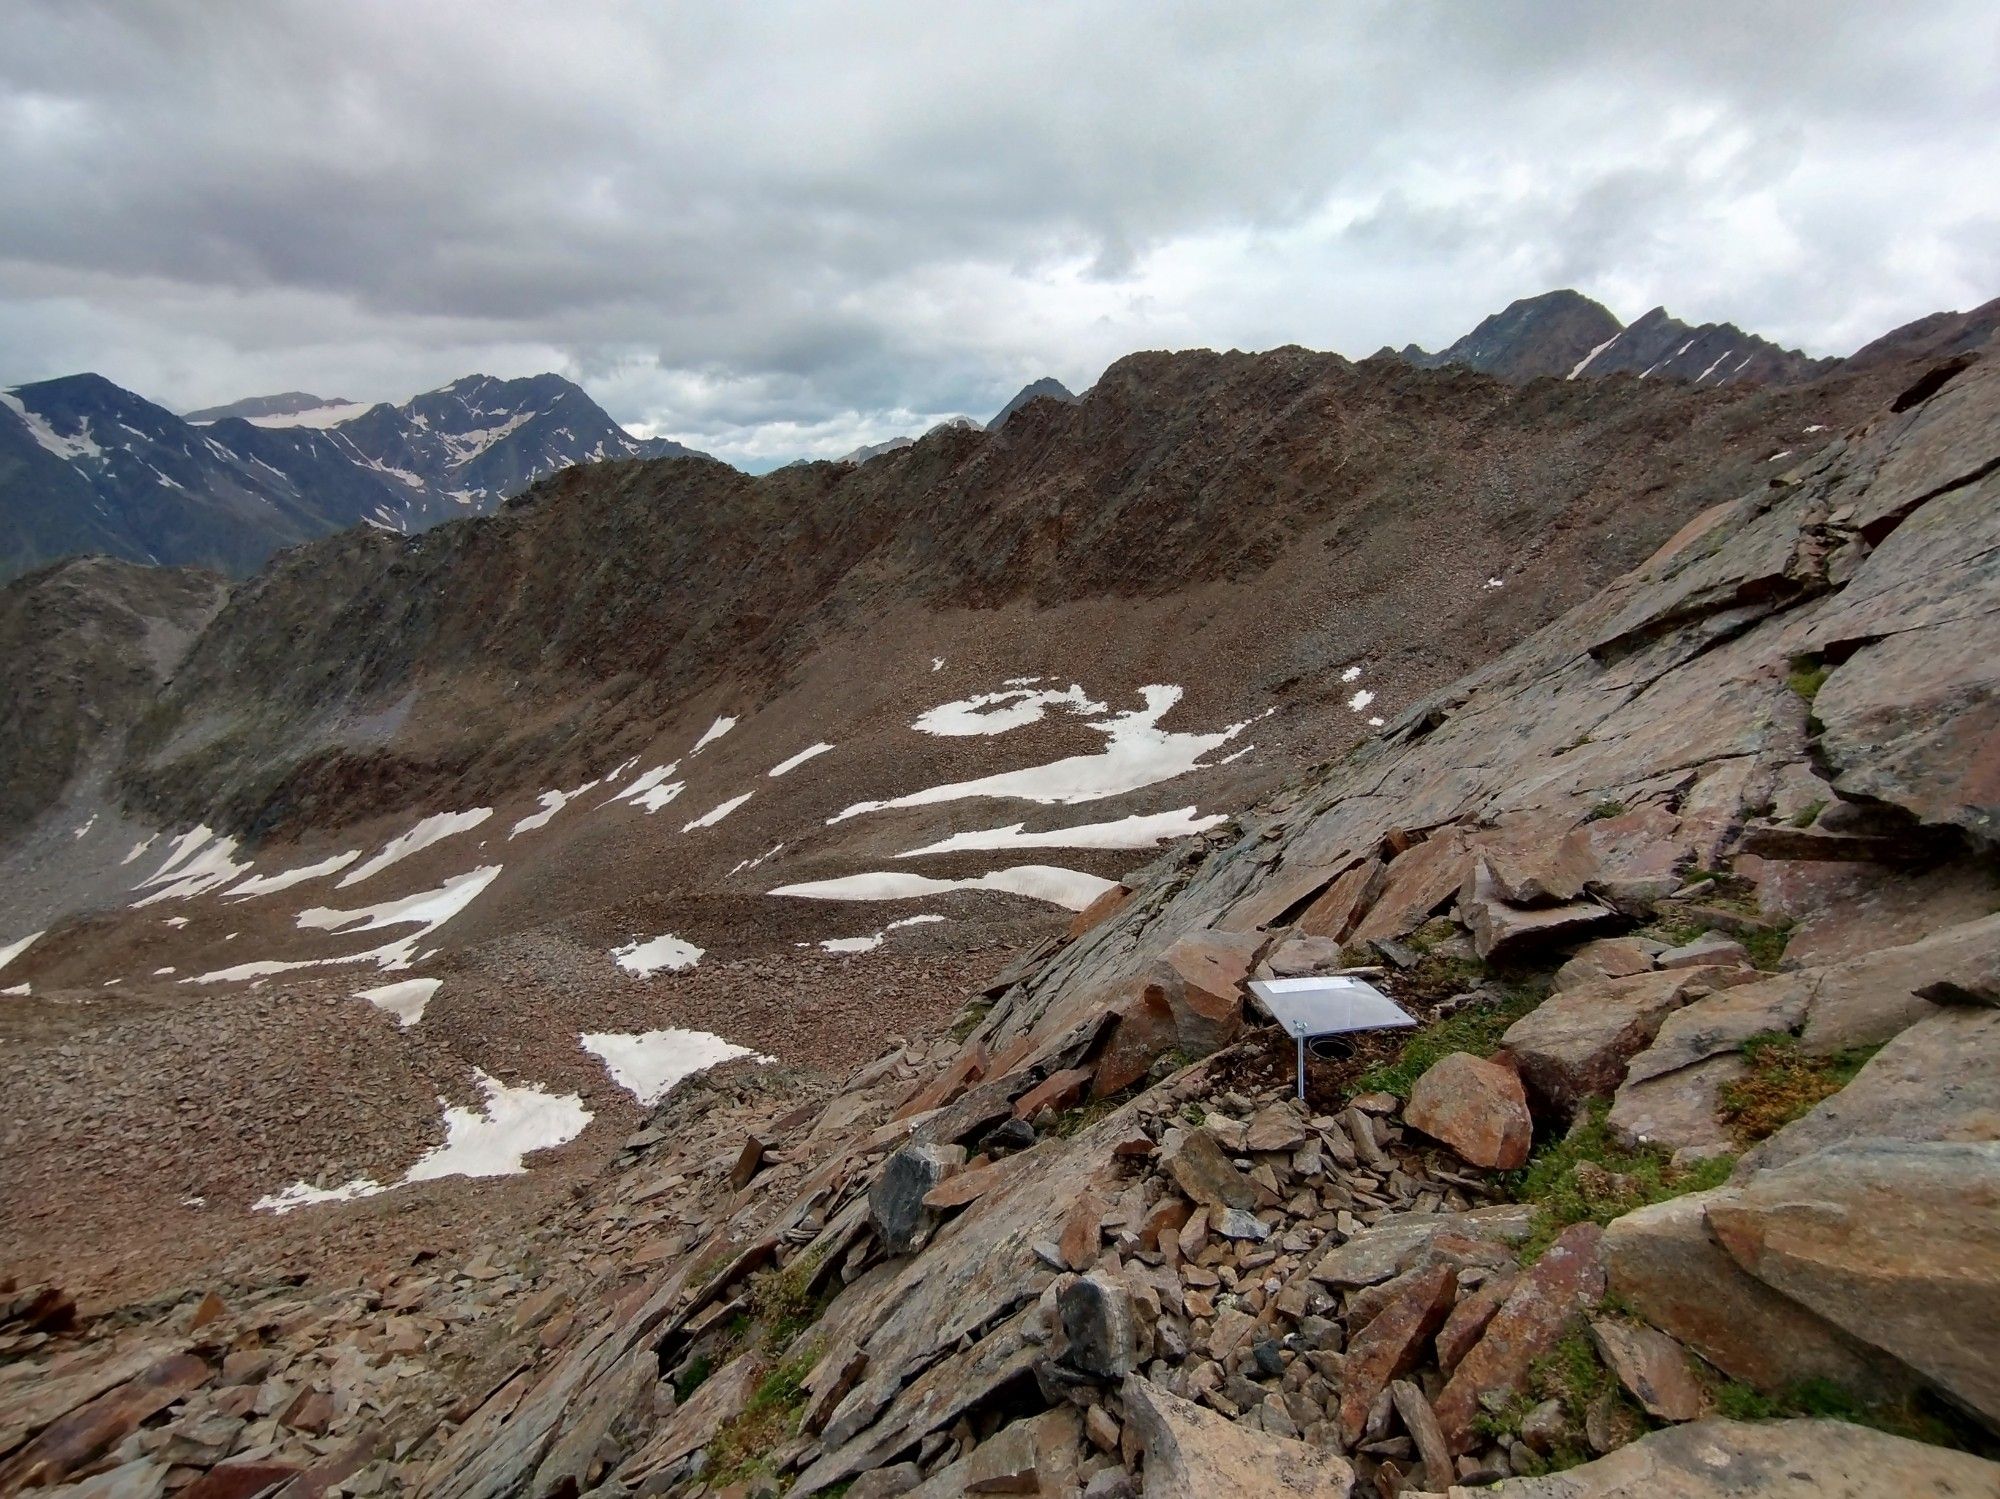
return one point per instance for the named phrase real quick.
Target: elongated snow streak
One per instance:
(266, 884)
(647, 791)
(647, 1064)
(552, 802)
(997, 712)
(651, 955)
(797, 760)
(1137, 752)
(1137, 831)
(138, 849)
(14, 950)
(1069, 888)
(198, 862)
(875, 939)
(712, 733)
(716, 813)
(405, 1000)
(427, 910)
(491, 1140)
(423, 835)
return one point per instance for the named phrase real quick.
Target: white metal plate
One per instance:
(1327, 1006)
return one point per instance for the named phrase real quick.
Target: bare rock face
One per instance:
(1769, 1460)
(1477, 1107)
(1665, 1263)
(1193, 1453)
(1652, 1367)
(1538, 860)
(1606, 958)
(1897, 1243)
(1545, 1303)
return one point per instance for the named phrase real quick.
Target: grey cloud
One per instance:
(755, 225)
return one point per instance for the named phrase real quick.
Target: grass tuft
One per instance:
(1807, 676)
(1476, 1028)
(1784, 1083)
(1587, 1176)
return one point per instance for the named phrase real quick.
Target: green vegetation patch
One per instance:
(1587, 1176)
(742, 1449)
(1784, 1083)
(1476, 1028)
(1824, 1398)
(1807, 676)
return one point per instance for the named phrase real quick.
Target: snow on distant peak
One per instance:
(69, 449)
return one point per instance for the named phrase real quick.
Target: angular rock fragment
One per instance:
(1502, 930)
(1665, 1263)
(1390, 1345)
(1101, 1326)
(1205, 1174)
(1477, 1107)
(1574, 1046)
(1208, 1001)
(1545, 1303)
(896, 1201)
(1651, 1366)
(1192, 1453)
(1718, 1459)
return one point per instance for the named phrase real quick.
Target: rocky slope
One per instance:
(88, 467)
(1692, 893)
(1567, 335)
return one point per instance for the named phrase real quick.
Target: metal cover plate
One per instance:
(1327, 1006)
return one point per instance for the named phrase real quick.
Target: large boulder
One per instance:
(1769, 1460)
(1193, 1453)
(1477, 1107)
(1500, 929)
(1665, 1264)
(1897, 1243)
(1574, 1045)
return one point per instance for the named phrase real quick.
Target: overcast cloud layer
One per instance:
(772, 231)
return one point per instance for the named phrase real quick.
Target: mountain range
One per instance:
(87, 466)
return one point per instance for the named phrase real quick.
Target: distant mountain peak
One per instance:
(1565, 334)
(1048, 386)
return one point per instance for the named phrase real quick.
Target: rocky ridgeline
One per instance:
(1694, 894)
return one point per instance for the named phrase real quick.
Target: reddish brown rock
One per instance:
(1467, 1322)
(1208, 1002)
(965, 1069)
(1501, 929)
(238, 1480)
(1477, 1107)
(1205, 1174)
(1143, 1032)
(1653, 1368)
(1099, 911)
(1390, 1345)
(1537, 859)
(1058, 1091)
(1545, 1303)
(1348, 899)
(77, 1438)
(1417, 883)
(1574, 1046)
(1082, 1232)
(1606, 958)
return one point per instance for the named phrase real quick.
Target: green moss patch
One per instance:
(1784, 1083)
(1587, 1176)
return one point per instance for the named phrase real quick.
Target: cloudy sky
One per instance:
(776, 230)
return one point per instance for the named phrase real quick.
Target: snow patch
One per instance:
(1584, 363)
(647, 1064)
(265, 884)
(139, 848)
(1352, 674)
(69, 449)
(712, 733)
(552, 802)
(197, 864)
(404, 1000)
(716, 813)
(427, 910)
(647, 791)
(14, 950)
(1360, 700)
(997, 712)
(1137, 752)
(491, 1140)
(650, 956)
